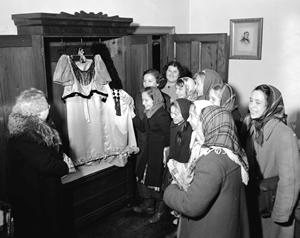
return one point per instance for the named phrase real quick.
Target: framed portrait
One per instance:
(246, 38)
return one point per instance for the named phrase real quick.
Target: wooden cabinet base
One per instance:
(99, 194)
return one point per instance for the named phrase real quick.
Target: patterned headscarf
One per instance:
(220, 131)
(158, 101)
(275, 109)
(228, 97)
(211, 79)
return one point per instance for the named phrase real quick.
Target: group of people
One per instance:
(200, 159)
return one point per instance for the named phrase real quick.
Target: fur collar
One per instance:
(33, 127)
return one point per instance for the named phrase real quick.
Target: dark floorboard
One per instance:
(125, 223)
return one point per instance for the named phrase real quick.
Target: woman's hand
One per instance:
(70, 164)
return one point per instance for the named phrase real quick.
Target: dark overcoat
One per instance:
(157, 137)
(214, 205)
(35, 185)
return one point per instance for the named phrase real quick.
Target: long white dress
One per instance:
(95, 131)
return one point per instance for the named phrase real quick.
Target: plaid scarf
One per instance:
(275, 109)
(220, 131)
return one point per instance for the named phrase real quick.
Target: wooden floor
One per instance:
(125, 223)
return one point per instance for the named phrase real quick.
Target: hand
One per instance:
(127, 99)
(132, 113)
(166, 155)
(70, 164)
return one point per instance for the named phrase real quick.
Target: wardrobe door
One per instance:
(21, 67)
(138, 58)
(197, 52)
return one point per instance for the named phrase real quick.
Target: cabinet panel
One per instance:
(99, 194)
(138, 59)
(21, 67)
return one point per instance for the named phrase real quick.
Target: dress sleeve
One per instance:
(288, 162)
(63, 72)
(101, 74)
(204, 188)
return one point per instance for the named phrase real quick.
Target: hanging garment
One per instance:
(95, 131)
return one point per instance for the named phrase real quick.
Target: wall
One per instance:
(280, 63)
(143, 12)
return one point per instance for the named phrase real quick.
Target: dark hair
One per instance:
(180, 82)
(103, 51)
(184, 125)
(149, 91)
(155, 74)
(265, 89)
(164, 72)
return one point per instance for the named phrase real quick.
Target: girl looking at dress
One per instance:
(185, 88)
(149, 172)
(223, 95)
(204, 81)
(272, 150)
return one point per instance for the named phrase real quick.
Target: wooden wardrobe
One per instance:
(29, 58)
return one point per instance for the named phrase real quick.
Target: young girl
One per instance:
(204, 81)
(185, 88)
(151, 78)
(223, 95)
(156, 125)
(272, 150)
(180, 136)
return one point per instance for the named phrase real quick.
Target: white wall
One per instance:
(280, 63)
(143, 12)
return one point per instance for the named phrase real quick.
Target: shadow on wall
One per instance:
(243, 109)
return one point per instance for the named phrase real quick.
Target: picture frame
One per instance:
(246, 38)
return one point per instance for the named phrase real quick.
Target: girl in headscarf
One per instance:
(223, 95)
(181, 145)
(205, 80)
(185, 88)
(272, 149)
(151, 78)
(214, 203)
(156, 125)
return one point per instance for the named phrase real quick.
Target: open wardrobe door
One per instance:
(197, 52)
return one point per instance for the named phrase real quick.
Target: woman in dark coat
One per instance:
(36, 167)
(214, 202)
(156, 125)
